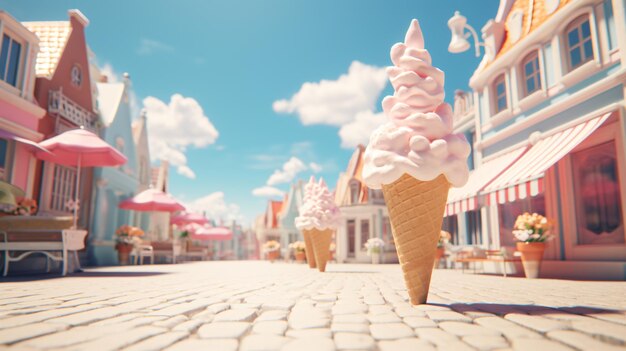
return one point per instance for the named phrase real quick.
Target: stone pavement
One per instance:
(262, 306)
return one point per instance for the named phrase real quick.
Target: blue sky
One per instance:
(236, 60)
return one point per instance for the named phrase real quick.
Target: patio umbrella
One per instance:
(79, 148)
(206, 233)
(152, 200)
(8, 193)
(187, 218)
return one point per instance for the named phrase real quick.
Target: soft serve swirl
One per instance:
(318, 210)
(418, 138)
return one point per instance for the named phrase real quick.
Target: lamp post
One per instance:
(459, 43)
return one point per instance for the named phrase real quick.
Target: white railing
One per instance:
(63, 106)
(463, 105)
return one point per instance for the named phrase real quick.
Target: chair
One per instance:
(140, 252)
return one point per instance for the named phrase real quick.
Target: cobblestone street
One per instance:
(262, 306)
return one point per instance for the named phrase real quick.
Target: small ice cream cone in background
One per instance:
(319, 217)
(308, 248)
(415, 158)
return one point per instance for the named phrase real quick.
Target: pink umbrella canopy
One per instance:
(80, 148)
(187, 218)
(152, 200)
(206, 233)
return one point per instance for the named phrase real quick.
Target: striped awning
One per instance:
(525, 177)
(465, 198)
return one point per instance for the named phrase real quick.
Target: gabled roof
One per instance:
(53, 36)
(538, 15)
(353, 172)
(109, 99)
(275, 207)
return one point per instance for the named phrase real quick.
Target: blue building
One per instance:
(113, 184)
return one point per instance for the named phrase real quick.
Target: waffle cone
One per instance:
(416, 212)
(320, 240)
(308, 248)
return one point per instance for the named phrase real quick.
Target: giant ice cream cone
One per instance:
(320, 240)
(415, 158)
(319, 216)
(308, 248)
(416, 212)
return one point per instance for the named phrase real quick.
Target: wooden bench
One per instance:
(54, 243)
(490, 256)
(165, 249)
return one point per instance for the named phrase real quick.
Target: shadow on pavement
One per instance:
(85, 274)
(537, 310)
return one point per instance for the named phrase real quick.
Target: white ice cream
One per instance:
(418, 138)
(318, 210)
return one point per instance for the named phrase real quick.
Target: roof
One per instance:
(275, 208)
(109, 99)
(528, 23)
(53, 36)
(353, 172)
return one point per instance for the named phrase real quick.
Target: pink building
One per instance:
(19, 112)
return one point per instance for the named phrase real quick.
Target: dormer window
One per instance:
(10, 59)
(499, 94)
(355, 191)
(531, 73)
(579, 44)
(76, 76)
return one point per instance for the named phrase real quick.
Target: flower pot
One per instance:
(375, 258)
(272, 255)
(300, 256)
(532, 255)
(438, 255)
(123, 253)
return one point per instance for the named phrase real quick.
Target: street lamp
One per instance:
(459, 43)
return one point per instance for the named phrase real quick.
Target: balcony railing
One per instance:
(63, 106)
(463, 105)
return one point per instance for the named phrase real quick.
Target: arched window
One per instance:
(578, 42)
(499, 94)
(531, 73)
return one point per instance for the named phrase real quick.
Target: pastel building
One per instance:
(363, 213)
(546, 118)
(19, 112)
(287, 216)
(64, 88)
(113, 184)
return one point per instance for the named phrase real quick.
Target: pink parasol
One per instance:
(79, 148)
(206, 233)
(187, 218)
(152, 200)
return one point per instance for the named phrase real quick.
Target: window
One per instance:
(578, 40)
(351, 229)
(388, 235)
(531, 73)
(9, 60)
(355, 189)
(63, 186)
(598, 200)
(474, 223)
(499, 90)
(377, 197)
(450, 224)
(509, 211)
(365, 232)
(76, 76)
(4, 159)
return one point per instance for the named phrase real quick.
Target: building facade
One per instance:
(548, 134)
(19, 112)
(363, 214)
(288, 213)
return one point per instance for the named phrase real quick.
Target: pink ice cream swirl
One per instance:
(318, 210)
(418, 139)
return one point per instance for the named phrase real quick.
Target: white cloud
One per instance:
(289, 171)
(316, 168)
(174, 127)
(214, 206)
(336, 102)
(150, 46)
(358, 131)
(268, 191)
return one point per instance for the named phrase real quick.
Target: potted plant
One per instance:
(24, 207)
(298, 248)
(531, 232)
(272, 249)
(126, 238)
(444, 238)
(374, 247)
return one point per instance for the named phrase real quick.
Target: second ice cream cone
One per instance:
(321, 246)
(308, 248)
(416, 212)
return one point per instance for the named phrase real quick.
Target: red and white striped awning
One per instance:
(525, 177)
(465, 198)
